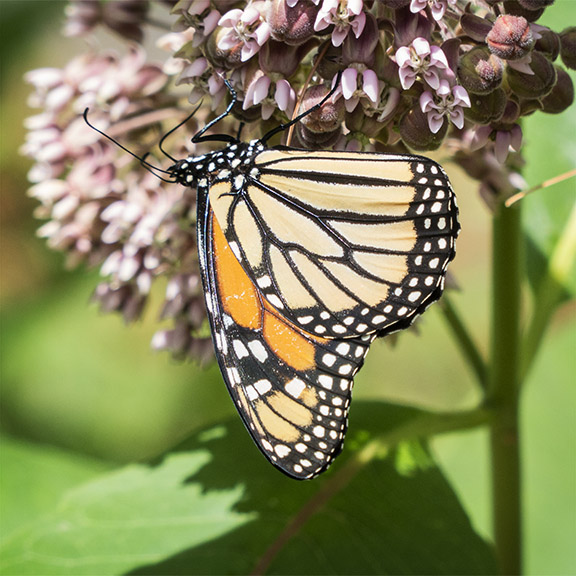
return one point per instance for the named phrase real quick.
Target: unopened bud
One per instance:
(568, 47)
(486, 108)
(535, 85)
(416, 134)
(479, 71)
(510, 37)
(548, 44)
(220, 58)
(326, 119)
(535, 4)
(475, 27)
(562, 95)
(514, 8)
(292, 26)
(362, 49)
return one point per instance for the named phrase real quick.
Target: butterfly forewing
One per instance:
(342, 244)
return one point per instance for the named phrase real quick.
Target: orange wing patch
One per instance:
(291, 388)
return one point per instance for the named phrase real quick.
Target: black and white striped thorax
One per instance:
(231, 163)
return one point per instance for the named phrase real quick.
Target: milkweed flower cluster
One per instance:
(414, 75)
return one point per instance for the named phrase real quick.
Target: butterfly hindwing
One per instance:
(342, 244)
(291, 388)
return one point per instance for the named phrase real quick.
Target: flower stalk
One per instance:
(504, 389)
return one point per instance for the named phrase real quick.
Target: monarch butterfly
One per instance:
(306, 257)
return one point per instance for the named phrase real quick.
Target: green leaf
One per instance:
(135, 516)
(232, 513)
(34, 477)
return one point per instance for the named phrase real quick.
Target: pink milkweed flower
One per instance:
(437, 7)
(446, 102)
(504, 140)
(357, 84)
(421, 59)
(345, 15)
(260, 91)
(246, 27)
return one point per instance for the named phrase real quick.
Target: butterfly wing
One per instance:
(291, 388)
(342, 244)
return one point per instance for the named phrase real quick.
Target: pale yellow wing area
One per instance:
(342, 243)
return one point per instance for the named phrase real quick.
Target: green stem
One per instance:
(464, 341)
(504, 386)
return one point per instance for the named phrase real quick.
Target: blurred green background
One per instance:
(76, 382)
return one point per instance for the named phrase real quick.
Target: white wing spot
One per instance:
(275, 301)
(258, 350)
(282, 450)
(267, 445)
(329, 359)
(326, 381)
(319, 431)
(436, 207)
(264, 281)
(263, 386)
(240, 349)
(343, 348)
(413, 296)
(294, 387)
(434, 263)
(305, 319)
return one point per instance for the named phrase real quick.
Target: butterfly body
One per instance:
(306, 257)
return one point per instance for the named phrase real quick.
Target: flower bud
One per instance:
(316, 140)
(362, 49)
(358, 121)
(510, 37)
(535, 4)
(279, 58)
(395, 4)
(548, 44)
(326, 119)
(513, 8)
(415, 131)
(486, 108)
(562, 95)
(292, 26)
(220, 58)
(479, 71)
(535, 85)
(475, 27)
(568, 47)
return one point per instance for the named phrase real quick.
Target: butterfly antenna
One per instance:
(142, 160)
(198, 137)
(172, 130)
(283, 127)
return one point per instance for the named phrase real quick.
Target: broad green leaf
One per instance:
(138, 515)
(229, 513)
(34, 477)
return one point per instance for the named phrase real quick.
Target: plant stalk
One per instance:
(504, 388)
